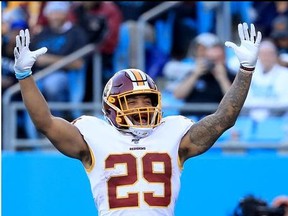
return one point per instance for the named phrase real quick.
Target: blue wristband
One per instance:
(23, 75)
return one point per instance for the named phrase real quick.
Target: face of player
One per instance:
(136, 102)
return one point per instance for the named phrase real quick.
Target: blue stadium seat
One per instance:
(193, 118)
(241, 131)
(204, 18)
(159, 53)
(270, 130)
(121, 56)
(243, 8)
(169, 99)
(164, 33)
(77, 81)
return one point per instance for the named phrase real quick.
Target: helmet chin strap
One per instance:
(138, 132)
(141, 132)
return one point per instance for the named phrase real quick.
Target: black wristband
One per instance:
(247, 69)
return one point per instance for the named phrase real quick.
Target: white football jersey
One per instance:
(132, 176)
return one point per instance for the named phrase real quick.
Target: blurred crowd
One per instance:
(251, 205)
(183, 53)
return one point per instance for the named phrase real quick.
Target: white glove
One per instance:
(24, 58)
(247, 52)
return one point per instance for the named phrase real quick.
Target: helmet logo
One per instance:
(111, 99)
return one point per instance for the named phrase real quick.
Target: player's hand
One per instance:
(247, 52)
(24, 58)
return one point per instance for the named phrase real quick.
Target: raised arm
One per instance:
(63, 135)
(203, 134)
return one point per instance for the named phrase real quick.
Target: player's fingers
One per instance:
(27, 38)
(258, 38)
(22, 38)
(245, 30)
(40, 51)
(16, 53)
(240, 31)
(18, 42)
(230, 44)
(252, 33)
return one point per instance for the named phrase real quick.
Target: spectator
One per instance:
(269, 84)
(12, 13)
(62, 38)
(174, 71)
(209, 80)
(265, 12)
(14, 21)
(280, 36)
(281, 202)
(177, 68)
(101, 20)
(32, 11)
(251, 205)
(7, 64)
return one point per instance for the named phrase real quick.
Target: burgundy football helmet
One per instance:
(126, 83)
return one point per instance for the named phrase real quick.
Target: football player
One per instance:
(134, 160)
